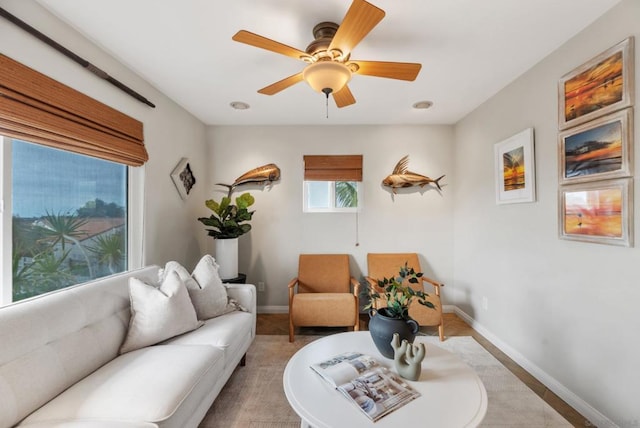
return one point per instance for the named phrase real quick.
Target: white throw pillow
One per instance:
(158, 313)
(206, 290)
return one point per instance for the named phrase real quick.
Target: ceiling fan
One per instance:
(330, 66)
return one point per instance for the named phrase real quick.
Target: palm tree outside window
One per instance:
(68, 216)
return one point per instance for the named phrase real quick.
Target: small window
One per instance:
(331, 196)
(332, 183)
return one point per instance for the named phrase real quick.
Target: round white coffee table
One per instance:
(452, 393)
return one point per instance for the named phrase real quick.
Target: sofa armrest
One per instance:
(245, 294)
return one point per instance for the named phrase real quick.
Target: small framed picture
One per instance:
(598, 211)
(515, 169)
(597, 150)
(183, 178)
(598, 87)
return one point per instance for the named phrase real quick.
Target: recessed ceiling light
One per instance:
(423, 105)
(239, 105)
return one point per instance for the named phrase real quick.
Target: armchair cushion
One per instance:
(321, 294)
(323, 309)
(323, 273)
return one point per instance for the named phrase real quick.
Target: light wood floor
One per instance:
(453, 326)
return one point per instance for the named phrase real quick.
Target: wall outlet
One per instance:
(485, 303)
(260, 286)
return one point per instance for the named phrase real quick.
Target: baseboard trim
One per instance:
(450, 309)
(594, 417)
(273, 309)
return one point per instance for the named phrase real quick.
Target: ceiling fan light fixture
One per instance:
(327, 76)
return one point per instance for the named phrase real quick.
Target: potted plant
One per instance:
(397, 294)
(228, 222)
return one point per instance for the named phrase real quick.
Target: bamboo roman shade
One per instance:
(36, 108)
(333, 168)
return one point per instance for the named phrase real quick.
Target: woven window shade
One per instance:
(38, 109)
(333, 168)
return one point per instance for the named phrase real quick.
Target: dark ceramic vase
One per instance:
(382, 326)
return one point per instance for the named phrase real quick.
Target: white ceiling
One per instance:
(469, 50)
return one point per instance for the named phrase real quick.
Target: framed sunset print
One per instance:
(597, 150)
(515, 169)
(598, 211)
(602, 85)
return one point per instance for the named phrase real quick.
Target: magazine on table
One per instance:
(375, 389)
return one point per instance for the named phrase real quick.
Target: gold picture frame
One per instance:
(600, 86)
(598, 211)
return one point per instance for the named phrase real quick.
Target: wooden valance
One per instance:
(333, 168)
(38, 109)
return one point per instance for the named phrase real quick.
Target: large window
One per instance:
(71, 203)
(68, 218)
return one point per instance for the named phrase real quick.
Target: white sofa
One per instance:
(60, 366)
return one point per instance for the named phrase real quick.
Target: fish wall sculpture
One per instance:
(402, 177)
(265, 174)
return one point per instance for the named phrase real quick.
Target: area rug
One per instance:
(254, 398)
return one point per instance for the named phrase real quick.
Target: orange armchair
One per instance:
(321, 294)
(381, 266)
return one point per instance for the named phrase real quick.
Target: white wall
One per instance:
(567, 309)
(412, 221)
(169, 131)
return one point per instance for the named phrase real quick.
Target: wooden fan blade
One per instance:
(391, 70)
(258, 41)
(281, 85)
(344, 97)
(357, 23)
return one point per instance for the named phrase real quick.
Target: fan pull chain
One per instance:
(327, 91)
(357, 230)
(326, 103)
